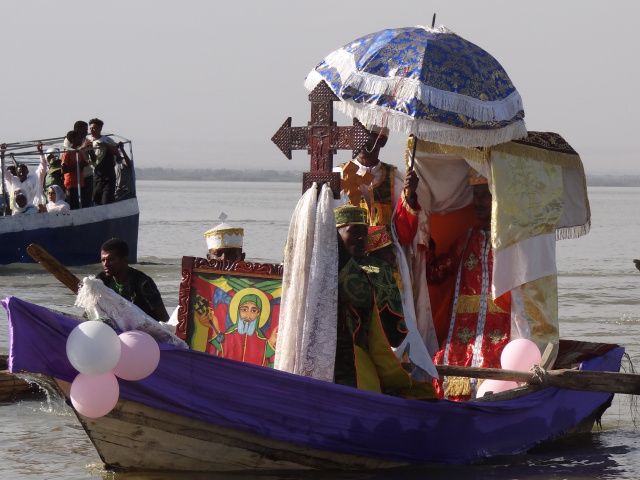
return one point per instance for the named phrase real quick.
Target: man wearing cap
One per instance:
(389, 195)
(479, 329)
(225, 242)
(370, 315)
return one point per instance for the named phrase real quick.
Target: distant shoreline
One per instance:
(220, 175)
(229, 175)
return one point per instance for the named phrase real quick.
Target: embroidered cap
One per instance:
(475, 178)
(378, 238)
(350, 215)
(224, 236)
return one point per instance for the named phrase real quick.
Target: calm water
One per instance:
(599, 287)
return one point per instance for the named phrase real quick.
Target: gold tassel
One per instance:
(457, 386)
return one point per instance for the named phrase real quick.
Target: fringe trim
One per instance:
(478, 155)
(457, 386)
(540, 154)
(486, 111)
(577, 231)
(432, 131)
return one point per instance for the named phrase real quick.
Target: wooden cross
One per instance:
(322, 138)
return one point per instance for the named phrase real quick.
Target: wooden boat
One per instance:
(73, 237)
(199, 412)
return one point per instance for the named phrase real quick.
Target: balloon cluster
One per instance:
(101, 355)
(520, 354)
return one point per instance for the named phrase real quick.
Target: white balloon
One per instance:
(93, 348)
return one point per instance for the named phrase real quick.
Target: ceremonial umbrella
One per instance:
(424, 81)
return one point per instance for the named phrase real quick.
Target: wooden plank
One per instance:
(54, 267)
(583, 380)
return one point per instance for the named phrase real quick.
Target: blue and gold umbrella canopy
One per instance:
(428, 82)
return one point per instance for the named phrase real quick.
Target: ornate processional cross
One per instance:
(322, 138)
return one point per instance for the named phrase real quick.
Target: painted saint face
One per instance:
(248, 314)
(355, 239)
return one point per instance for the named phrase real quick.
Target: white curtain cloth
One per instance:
(307, 329)
(102, 303)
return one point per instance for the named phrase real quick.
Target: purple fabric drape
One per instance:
(312, 413)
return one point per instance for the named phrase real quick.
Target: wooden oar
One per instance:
(585, 380)
(54, 267)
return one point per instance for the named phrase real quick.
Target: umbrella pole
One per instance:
(413, 153)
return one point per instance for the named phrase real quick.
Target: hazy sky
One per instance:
(206, 84)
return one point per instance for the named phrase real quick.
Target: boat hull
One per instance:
(73, 237)
(253, 418)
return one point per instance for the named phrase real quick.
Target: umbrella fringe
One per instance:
(408, 88)
(432, 131)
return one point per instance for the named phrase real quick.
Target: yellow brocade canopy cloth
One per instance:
(539, 195)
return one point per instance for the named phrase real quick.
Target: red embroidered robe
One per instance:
(478, 330)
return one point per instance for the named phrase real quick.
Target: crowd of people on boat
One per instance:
(92, 169)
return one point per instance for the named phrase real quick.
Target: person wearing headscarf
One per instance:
(20, 205)
(55, 199)
(479, 329)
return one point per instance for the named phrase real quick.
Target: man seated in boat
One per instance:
(132, 284)
(370, 315)
(30, 184)
(225, 242)
(479, 329)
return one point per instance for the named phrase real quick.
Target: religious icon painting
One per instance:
(230, 310)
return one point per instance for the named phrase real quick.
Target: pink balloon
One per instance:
(495, 386)
(520, 354)
(139, 355)
(94, 395)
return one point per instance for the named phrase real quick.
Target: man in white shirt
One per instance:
(31, 185)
